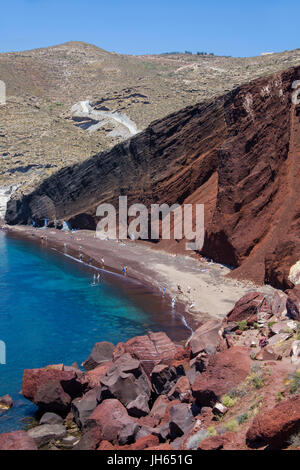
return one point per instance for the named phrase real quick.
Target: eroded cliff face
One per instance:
(238, 155)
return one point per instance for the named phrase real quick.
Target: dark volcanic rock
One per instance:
(181, 419)
(83, 407)
(139, 407)
(162, 379)
(46, 433)
(101, 352)
(125, 381)
(51, 418)
(293, 303)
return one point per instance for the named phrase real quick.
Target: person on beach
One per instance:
(173, 302)
(164, 290)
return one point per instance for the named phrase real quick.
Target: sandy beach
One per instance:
(200, 287)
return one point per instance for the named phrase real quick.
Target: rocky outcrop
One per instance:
(293, 303)
(225, 371)
(274, 427)
(52, 388)
(249, 308)
(238, 155)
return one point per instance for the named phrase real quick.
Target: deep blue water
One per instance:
(50, 314)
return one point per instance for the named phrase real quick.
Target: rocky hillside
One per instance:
(237, 154)
(39, 133)
(234, 386)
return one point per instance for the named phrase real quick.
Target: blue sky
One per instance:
(237, 28)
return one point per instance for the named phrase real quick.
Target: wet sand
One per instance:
(205, 291)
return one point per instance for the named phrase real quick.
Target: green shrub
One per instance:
(232, 425)
(242, 325)
(242, 418)
(228, 401)
(294, 381)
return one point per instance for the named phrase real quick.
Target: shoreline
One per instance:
(206, 291)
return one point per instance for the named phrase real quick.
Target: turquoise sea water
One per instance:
(50, 314)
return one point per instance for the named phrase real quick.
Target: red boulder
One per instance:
(17, 440)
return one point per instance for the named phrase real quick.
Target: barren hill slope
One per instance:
(39, 134)
(237, 154)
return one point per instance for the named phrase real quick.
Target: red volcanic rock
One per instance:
(237, 154)
(111, 418)
(218, 442)
(52, 388)
(293, 303)
(159, 407)
(151, 349)
(205, 338)
(90, 440)
(17, 440)
(93, 377)
(165, 446)
(105, 445)
(224, 372)
(50, 396)
(34, 378)
(274, 427)
(212, 443)
(144, 443)
(181, 390)
(248, 307)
